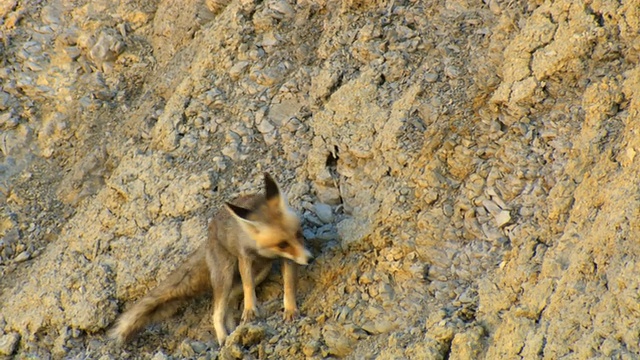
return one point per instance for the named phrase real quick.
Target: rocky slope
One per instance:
(465, 171)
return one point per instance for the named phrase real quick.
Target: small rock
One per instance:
(339, 345)
(8, 121)
(269, 39)
(282, 9)
(73, 52)
(185, 349)
(9, 343)
(232, 150)
(50, 14)
(268, 77)
(7, 253)
(237, 69)
(94, 345)
(467, 345)
(231, 352)
(310, 348)
(4, 100)
(326, 232)
(467, 297)
(269, 138)
(343, 314)
(503, 218)
(328, 195)
(378, 326)
(492, 207)
(247, 335)
(447, 209)
(431, 77)
(366, 278)
(23, 256)
(7, 6)
(160, 356)
(324, 213)
(107, 48)
(265, 126)
(313, 220)
(13, 19)
(451, 72)
(308, 234)
(198, 346)
(492, 234)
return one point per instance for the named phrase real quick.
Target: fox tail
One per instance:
(190, 279)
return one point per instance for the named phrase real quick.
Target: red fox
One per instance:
(244, 239)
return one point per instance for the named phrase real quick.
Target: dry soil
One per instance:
(466, 172)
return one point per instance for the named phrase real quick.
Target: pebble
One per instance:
(310, 347)
(247, 335)
(73, 52)
(7, 6)
(378, 326)
(326, 232)
(452, 72)
(338, 344)
(269, 39)
(4, 100)
(9, 343)
(107, 48)
(160, 356)
(198, 346)
(431, 77)
(447, 209)
(237, 69)
(233, 351)
(492, 207)
(308, 234)
(185, 349)
(8, 121)
(503, 218)
(265, 127)
(13, 19)
(281, 9)
(328, 195)
(324, 212)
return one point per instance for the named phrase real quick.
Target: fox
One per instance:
(244, 239)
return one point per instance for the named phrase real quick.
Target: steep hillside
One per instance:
(465, 172)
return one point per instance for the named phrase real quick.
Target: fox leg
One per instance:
(230, 321)
(260, 272)
(234, 302)
(289, 275)
(221, 294)
(245, 265)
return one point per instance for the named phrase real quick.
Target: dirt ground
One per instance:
(465, 171)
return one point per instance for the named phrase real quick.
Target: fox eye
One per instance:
(283, 245)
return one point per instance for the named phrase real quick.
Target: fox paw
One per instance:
(222, 340)
(249, 315)
(291, 314)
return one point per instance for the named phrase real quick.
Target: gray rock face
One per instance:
(465, 173)
(9, 343)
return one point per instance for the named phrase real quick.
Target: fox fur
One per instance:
(244, 238)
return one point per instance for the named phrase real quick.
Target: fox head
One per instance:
(273, 226)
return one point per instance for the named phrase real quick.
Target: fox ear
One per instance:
(242, 216)
(275, 198)
(238, 211)
(272, 189)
